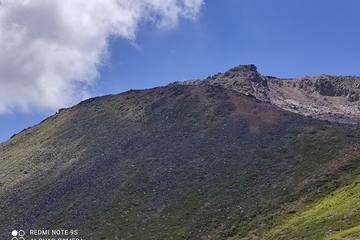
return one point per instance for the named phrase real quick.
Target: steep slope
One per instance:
(335, 216)
(186, 161)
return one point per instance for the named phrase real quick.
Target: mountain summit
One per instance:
(333, 98)
(236, 156)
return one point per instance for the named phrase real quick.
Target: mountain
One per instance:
(324, 97)
(236, 156)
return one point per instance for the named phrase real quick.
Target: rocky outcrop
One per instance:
(332, 98)
(244, 79)
(324, 97)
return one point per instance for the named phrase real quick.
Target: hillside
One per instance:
(236, 156)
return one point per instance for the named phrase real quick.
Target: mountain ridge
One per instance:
(325, 97)
(184, 161)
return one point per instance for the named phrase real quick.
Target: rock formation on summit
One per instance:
(333, 98)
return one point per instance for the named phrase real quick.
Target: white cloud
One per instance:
(50, 50)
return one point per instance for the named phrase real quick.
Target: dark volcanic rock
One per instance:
(326, 88)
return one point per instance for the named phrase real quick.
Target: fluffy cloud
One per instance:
(51, 49)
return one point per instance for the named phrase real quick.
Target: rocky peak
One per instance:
(247, 72)
(333, 98)
(244, 79)
(248, 68)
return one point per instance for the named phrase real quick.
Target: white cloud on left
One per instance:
(51, 50)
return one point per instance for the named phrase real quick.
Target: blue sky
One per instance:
(283, 38)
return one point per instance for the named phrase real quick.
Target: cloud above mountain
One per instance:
(51, 50)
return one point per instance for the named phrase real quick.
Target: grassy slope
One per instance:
(332, 214)
(335, 216)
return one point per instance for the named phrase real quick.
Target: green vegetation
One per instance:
(335, 216)
(351, 234)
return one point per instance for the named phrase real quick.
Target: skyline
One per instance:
(282, 39)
